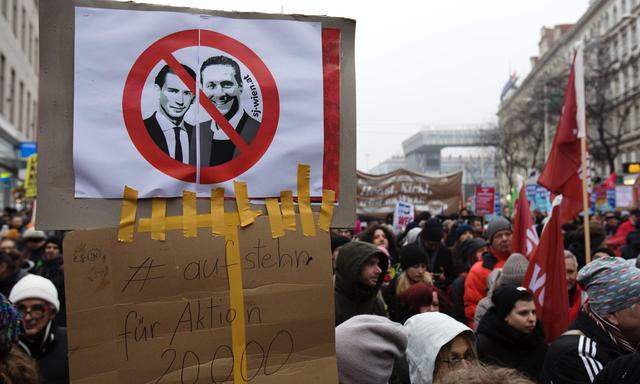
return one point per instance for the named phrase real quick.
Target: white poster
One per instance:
(166, 101)
(402, 215)
(624, 196)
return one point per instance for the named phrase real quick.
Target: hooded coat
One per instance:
(500, 344)
(428, 333)
(351, 296)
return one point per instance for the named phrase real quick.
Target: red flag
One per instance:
(561, 173)
(610, 183)
(525, 237)
(546, 277)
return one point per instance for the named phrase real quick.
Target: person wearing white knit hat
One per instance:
(37, 299)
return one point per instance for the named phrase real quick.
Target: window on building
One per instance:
(623, 7)
(12, 97)
(623, 84)
(28, 119)
(34, 121)
(30, 44)
(21, 108)
(23, 30)
(614, 15)
(634, 36)
(623, 42)
(36, 54)
(14, 18)
(3, 63)
(5, 9)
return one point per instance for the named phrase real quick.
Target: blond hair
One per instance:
(404, 283)
(485, 374)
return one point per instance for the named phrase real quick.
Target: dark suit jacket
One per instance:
(154, 130)
(247, 126)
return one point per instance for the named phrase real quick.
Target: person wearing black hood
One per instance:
(360, 270)
(51, 267)
(439, 261)
(470, 251)
(509, 334)
(10, 271)
(37, 300)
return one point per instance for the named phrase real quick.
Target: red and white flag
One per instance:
(562, 174)
(546, 277)
(525, 236)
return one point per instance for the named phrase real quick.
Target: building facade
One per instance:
(389, 165)
(610, 32)
(18, 80)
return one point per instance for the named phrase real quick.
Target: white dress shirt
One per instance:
(169, 135)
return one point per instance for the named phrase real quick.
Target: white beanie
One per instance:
(35, 287)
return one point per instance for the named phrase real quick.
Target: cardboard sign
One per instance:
(379, 194)
(485, 200)
(97, 101)
(402, 215)
(158, 312)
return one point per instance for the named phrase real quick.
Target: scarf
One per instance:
(613, 331)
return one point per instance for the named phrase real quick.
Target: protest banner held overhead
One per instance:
(378, 194)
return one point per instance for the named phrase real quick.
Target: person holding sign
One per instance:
(166, 126)
(222, 83)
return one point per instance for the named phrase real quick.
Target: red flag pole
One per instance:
(581, 120)
(585, 200)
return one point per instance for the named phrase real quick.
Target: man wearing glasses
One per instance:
(37, 300)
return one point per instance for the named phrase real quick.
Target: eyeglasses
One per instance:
(456, 361)
(35, 311)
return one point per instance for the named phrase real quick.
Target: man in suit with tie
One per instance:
(221, 82)
(166, 125)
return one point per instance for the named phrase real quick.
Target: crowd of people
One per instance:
(443, 302)
(33, 335)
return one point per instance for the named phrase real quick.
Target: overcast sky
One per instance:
(429, 62)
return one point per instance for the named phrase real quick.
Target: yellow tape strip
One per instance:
(304, 201)
(275, 218)
(128, 215)
(326, 210)
(217, 212)
(288, 212)
(173, 223)
(158, 213)
(189, 220)
(247, 216)
(236, 303)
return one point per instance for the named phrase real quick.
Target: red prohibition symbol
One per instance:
(162, 50)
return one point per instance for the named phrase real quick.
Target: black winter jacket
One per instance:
(500, 344)
(579, 354)
(353, 298)
(50, 352)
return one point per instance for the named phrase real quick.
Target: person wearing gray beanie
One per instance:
(496, 225)
(500, 236)
(513, 270)
(367, 347)
(607, 327)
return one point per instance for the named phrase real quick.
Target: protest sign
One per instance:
(158, 312)
(288, 106)
(485, 200)
(378, 194)
(31, 177)
(402, 215)
(624, 196)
